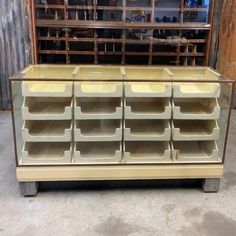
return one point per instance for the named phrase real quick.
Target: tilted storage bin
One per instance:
(98, 130)
(147, 89)
(44, 108)
(147, 108)
(98, 108)
(49, 72)
(147, 130)
(187, 130)
(97, 152)
(47, 153)
(98, 89)
(147, 152)
(47, 89)
(196, 108)
(47, 131)
(195, 90)
(99, 73)
(196, 151)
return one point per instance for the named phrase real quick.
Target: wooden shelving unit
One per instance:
(151, 32)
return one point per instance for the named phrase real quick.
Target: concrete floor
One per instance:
(170, 208)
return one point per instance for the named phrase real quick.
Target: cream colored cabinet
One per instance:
(112, 122)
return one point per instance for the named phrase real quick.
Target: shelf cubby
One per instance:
(47, 131)
(97, 152)
(147, 130)
(90, 108)
(189, 130)
(147, 108)
(97, 130)
(196, 151)
(47, 89)
(47, 108)
(196, 108)
(46, 153)
(147, 152)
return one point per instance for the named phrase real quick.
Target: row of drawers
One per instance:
(112, 108)
(111, 152)
(115, 89)
(111, 130)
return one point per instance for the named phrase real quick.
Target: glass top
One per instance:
(119, 73)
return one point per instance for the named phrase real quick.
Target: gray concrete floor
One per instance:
(167, 209)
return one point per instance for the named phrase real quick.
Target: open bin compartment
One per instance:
(99, 72)
(47, 131)
(147, 130)
(97, 152)
(49, 72)
(46, 108)
(47, 89)
(196, 151)
(98, 108)
(196, 108)
(147, 89)
(98, 130)
(194, 90)
(147, 108)
(98, 89)
(147, 152)
(47, 153)
(187, 130)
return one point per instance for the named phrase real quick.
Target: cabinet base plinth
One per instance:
(118, 172)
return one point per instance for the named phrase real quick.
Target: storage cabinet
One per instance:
(120, 122)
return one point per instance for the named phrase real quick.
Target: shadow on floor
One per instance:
(124, 184)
